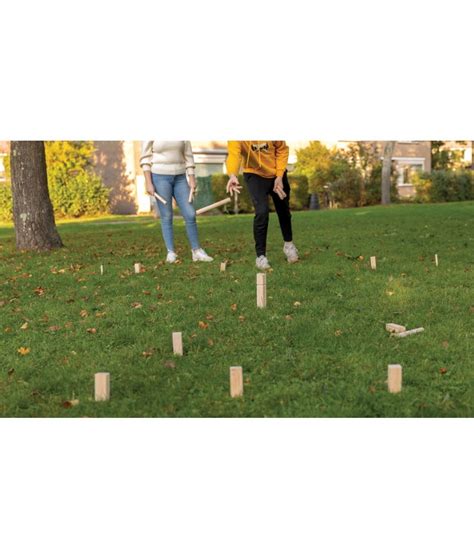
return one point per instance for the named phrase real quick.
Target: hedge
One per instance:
(444, 186)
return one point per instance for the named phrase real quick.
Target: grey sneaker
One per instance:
(171, 257)
(290, 252)
(262, 263)
(200, 255)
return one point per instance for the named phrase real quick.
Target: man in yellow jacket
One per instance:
(264, 165)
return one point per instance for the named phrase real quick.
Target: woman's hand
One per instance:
(233, 185)
(149, 183)
(278, 188)
(192, 187)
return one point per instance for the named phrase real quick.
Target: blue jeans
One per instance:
(169, 186)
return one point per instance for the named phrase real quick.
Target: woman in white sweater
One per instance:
(165, 165)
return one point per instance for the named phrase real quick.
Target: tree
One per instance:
(443, 158)
(33, 215)
(387, 171)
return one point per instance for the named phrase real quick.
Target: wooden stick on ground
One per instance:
(408, 333)
(212, 206)
(261, 290)
(236, 382)
(394, 378)
(177, 343)
(101, 387)
(436, 260)
(394, 328)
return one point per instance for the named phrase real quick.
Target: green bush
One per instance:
(444, 186)
(299, 196)
(6, 202)
(347, 189)
(77, 195)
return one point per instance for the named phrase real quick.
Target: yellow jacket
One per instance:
(265, 158)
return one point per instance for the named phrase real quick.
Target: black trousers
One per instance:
(259, 189)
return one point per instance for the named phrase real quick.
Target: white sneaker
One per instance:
(200, 255)
(290, 252)
(171, 257)
(262, 263)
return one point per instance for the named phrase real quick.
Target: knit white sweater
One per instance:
(167, 158)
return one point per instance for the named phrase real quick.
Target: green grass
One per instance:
(327, 356)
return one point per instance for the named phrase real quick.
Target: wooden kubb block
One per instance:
(394, 378)
(236, 382)
(138, 268)
(261, 290)
(373, 262)
(177, 343)
(102, 387)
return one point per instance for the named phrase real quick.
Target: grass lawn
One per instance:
(319, 349)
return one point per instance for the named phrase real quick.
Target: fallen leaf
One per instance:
(297, 304)
(443, 370)
(288, 317)
(234, 306)
(24, 326)
(100, 314)
(209, 316)
(68, 325)
(241, 318)
(148, 353)
(84, 314)
(136, 305)
(338, 332)
(7, 329)
(70, 403)
(23, 350)
(146, 292)
(210, 342)
(203, 324)
(92, 330)
(54, 328)
(39, 291)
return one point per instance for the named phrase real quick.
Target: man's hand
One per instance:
(278, 188)
(233, 185)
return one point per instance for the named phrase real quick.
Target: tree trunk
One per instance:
(387, 172)
(33, 215)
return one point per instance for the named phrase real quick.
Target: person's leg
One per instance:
(164, 187)
(259, 188)
(282, 208)
(181, 194)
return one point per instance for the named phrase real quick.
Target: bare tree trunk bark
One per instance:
(33, 215)
(387, 171)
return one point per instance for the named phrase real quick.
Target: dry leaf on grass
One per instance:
(24, 326)
(70, 403)
(84, 314)
(136, 305)
(23, 350)
(203, 324)
(39, 291)
(92, 330)
(234, 306)
(297, 304)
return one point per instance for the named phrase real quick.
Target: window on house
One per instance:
(3, 176)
